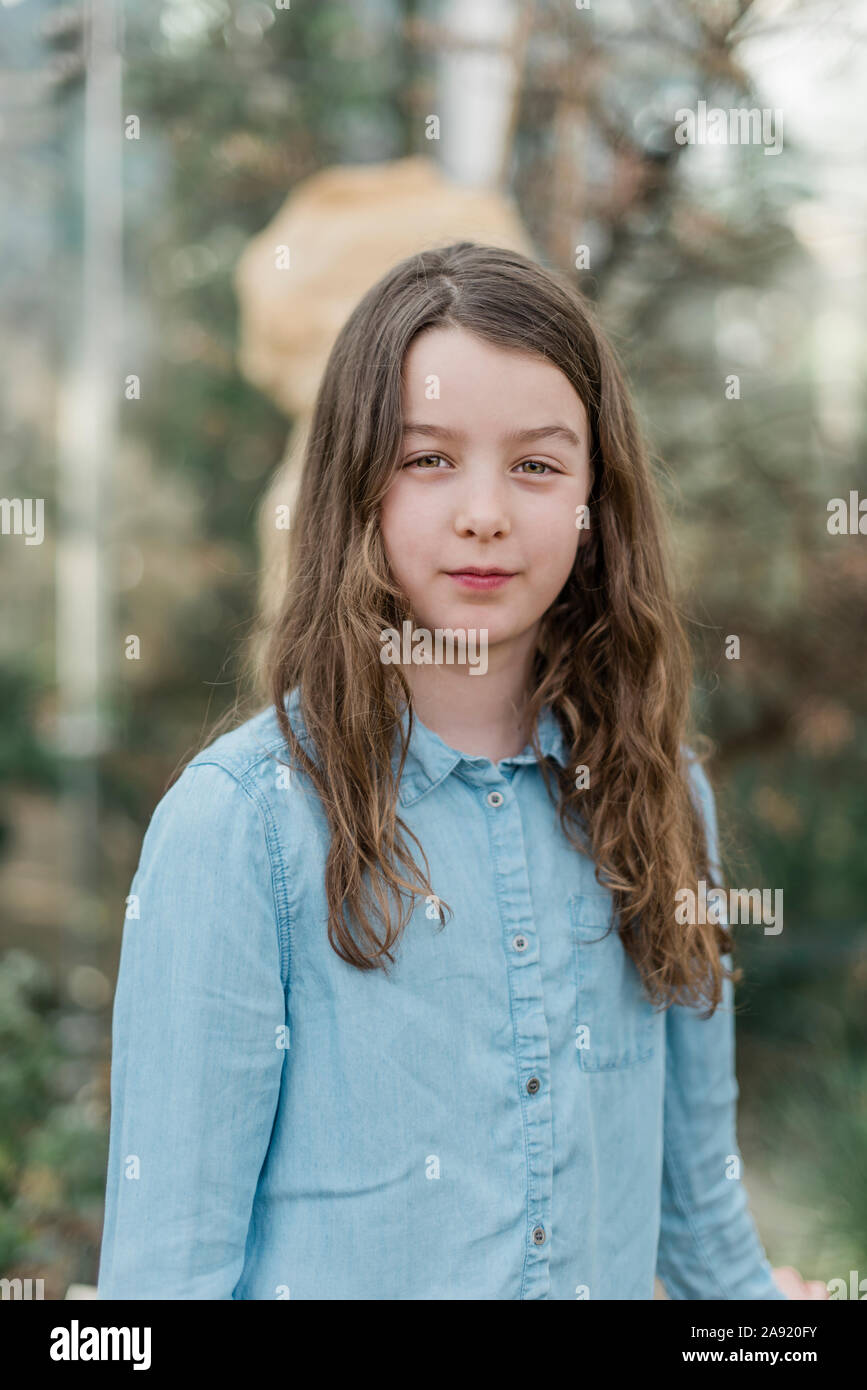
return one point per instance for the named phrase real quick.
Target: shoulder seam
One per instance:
(275, 856)
(262, 751)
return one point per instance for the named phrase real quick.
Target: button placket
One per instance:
(531, 1037)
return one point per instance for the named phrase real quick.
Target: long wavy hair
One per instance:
(612, 659)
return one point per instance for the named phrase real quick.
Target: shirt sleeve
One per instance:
(197, 1046)
(709, 1247)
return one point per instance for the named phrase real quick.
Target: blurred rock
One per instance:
(344, 227)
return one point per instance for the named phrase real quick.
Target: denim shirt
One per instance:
(502, 1116)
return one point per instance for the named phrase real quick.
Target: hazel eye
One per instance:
(537, 463)
(410, 463)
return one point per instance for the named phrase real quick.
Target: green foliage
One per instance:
(53, 1146)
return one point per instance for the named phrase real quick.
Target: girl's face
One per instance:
(495, 462)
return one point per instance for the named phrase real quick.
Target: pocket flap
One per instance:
(594, 908)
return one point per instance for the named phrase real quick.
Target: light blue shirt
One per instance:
(503, 1117)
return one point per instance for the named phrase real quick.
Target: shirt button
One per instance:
(539, 1235)
(520, 943)
(533, 1085)
(495, 798)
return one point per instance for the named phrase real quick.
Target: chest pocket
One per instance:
(615, 1024)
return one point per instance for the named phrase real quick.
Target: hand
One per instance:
(793, 1286)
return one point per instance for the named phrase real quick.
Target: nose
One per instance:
(482, 511)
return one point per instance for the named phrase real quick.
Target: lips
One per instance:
(481, 579)
(484, 574)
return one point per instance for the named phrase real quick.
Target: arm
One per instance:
(196, 1068)
(708, 1245)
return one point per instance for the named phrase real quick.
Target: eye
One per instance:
(535, 464)
(410, 463)
(538, 463)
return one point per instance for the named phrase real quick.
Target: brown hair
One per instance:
(612, 658)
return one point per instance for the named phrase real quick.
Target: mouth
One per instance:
(475, 578)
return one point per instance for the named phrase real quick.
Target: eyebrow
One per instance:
(513, 437)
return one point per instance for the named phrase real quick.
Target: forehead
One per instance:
(455, 374)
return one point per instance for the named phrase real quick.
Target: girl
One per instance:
(403, 1009)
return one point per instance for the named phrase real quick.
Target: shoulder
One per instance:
(244, 748)
(704, 801)
(223, 793)
(213, 867)
(699, 782)
(246, 787)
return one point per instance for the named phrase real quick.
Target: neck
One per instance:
(484, 715)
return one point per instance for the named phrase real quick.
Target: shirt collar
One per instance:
(430, 760)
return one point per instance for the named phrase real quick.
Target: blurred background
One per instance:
(196, 193)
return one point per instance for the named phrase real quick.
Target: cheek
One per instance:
(400, 527)
(391, 522)
(553, 543)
